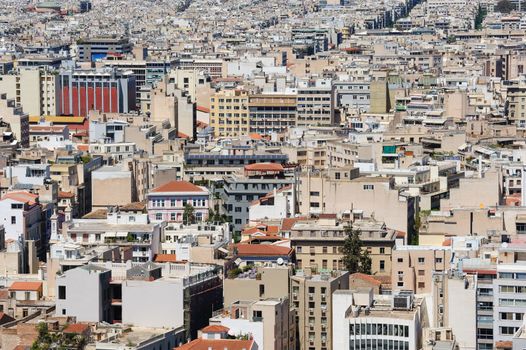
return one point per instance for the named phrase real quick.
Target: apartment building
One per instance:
(270, 322)
(128, 230)
(18, 120)
(229, 113)
(215, 164)
(413, 266)
(239, 190)
(390, 322)
(338, 190)
(265, 281)
(318, 243)
(311, 295)
(315, 103)
(271, 113)
(180, 295)
(214, 67)
(35, 89)
(168, 202)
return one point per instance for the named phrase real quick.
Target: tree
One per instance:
(355, 259)
(504, 6)
(188, 214)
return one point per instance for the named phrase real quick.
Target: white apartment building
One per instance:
(391, 322)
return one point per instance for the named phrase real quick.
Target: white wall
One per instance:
(156, 303)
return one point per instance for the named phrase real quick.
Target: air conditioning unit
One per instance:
(403, 301)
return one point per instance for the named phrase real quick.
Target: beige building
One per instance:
(34, 89)
(340, 190)
(270, 322)
(268, 282)
(413, 266)
(117, 179)
(312, 298)
(318, 244)
(18, 120)
(272, 113)
(229, 114)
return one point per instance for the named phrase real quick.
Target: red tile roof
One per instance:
(26, 286)
(286, 224)
(76, 328)
(178, 186)
(364, 277)
(217, 344)
(215, 329)
(203, 109)
(261, 250)
(62, 194)
(165, 258)
(21, 196)
(264, 167)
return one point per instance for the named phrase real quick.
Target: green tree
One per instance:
(504, 6)
(355, 259)
(188, 214)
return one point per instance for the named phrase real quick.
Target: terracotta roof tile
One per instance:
(165, 258)
(215, 329)
(26, 286)
(262, 250)
(76, 328)
(217, 344)
(178, 186)
(365, 277)
(264, 167)
(286, 224)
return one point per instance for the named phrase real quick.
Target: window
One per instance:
(337, 176)
(172, 216)
(17, 206)
(421, 285)
(382, 250)
(421, 272)
(314, 204)
(368, 187)
(63, 311)
(324, 250)
(438, 260)
(382, 265)
(421, 260)
(298, 249)
(400, 260)
(13, 220)
(62, 292)
(261, 290)
(158, 216)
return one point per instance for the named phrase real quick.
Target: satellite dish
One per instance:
(280, 261)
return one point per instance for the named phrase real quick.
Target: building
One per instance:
(311, 296)
(269, 322)
(239, 190)
(318, 243)
(271, 113)
(391, 322)
(315, 103)
(169, 201)
(17, 120)
(181, 295)
(229, 113)
(36, 90)
(413, 266)
(104, 90)
(95, 49)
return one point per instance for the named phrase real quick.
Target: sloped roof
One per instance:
(264, 167)
(178, 186)
(215, 329)
(26, 286)
(261, 250)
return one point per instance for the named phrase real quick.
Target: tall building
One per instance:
(271, 113)
(229, 114)
(315, 103)
(312, 297)
(18, 120)
(107, 91)
(35, 89)
(516, 105)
